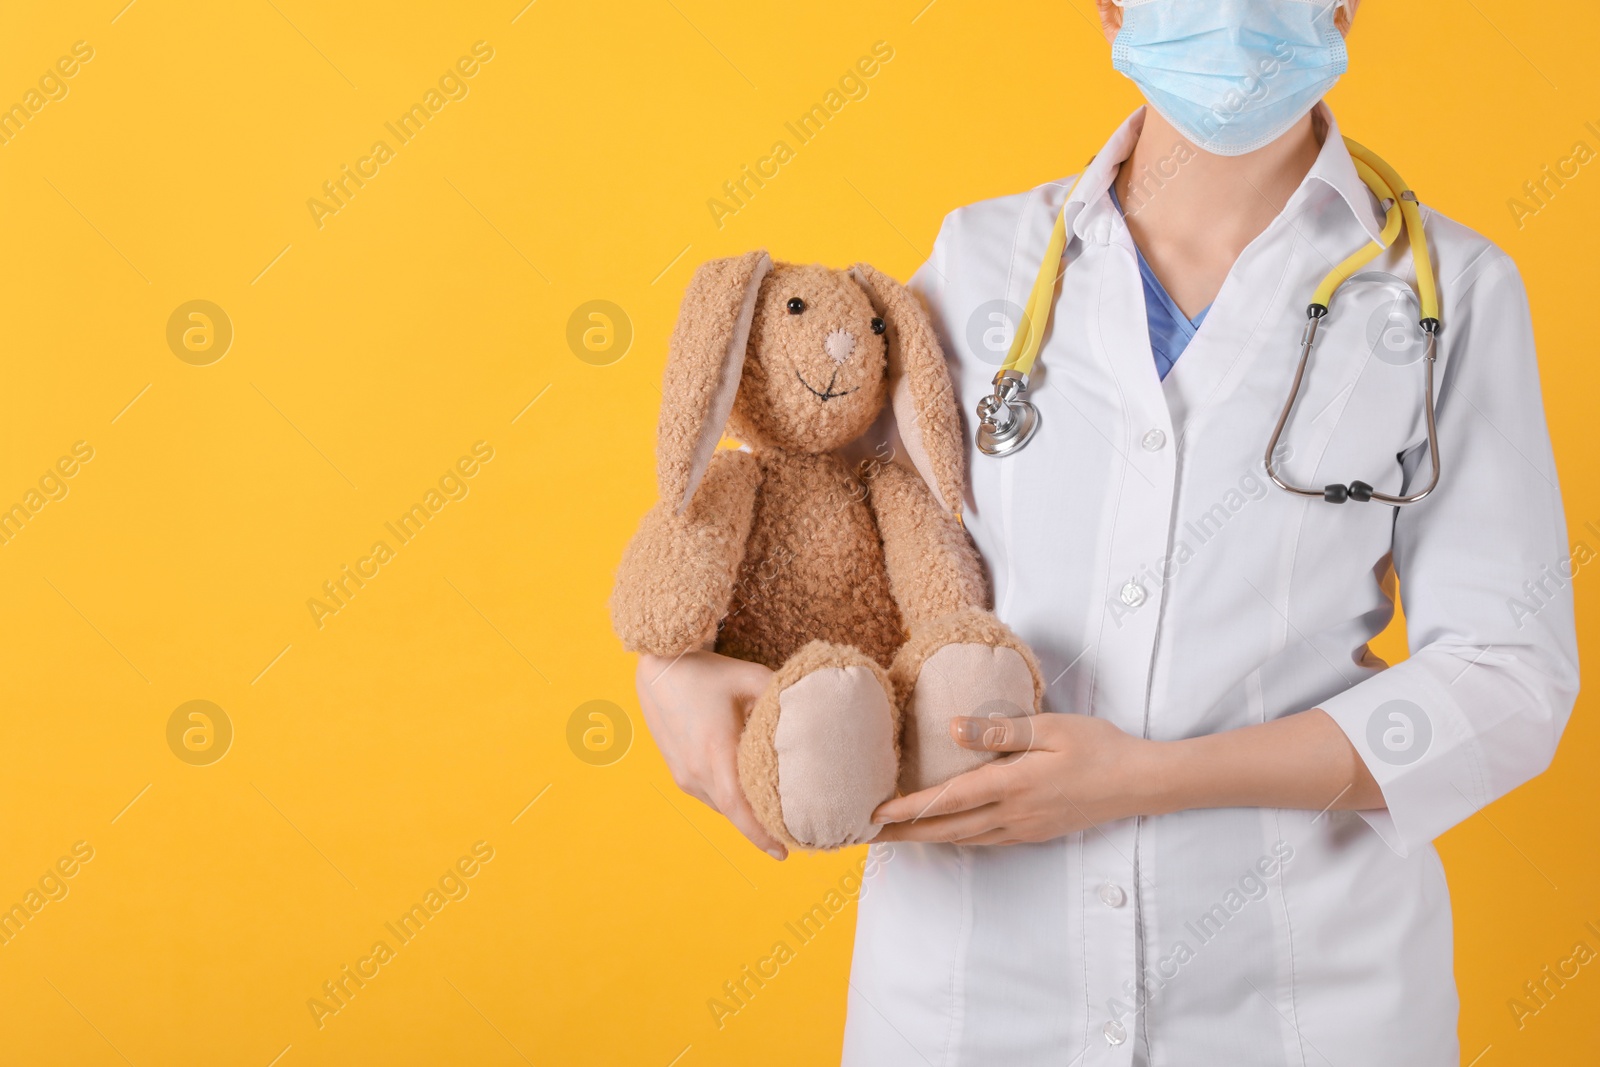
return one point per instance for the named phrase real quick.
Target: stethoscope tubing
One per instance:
(1006, 421)
(1308, 340)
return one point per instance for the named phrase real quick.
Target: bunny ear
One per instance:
(704, 365)
(919, 387)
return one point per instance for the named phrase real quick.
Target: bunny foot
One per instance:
(965, 664)
(818, 752)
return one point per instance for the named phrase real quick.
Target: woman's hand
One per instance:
(695, 707)
(1071, 772)
(1066, 773)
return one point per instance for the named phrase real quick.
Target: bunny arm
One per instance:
(933, 567)
(677, 576)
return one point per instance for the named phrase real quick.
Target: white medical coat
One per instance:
(1138, 547)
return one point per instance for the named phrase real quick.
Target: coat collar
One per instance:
(1333, 170)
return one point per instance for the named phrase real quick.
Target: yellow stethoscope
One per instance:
(1006, 420)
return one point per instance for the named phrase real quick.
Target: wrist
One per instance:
(1161, 768)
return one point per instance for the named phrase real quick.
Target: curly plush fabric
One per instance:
(677, 574)
(787, 556)
(702, 377)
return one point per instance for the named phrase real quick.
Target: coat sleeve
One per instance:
(1485, 576)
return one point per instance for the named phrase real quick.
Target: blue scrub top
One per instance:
(1170, 329)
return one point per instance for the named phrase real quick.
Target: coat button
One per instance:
(1133, 594)
(1112, 895)
(1153, 441)
(1115, 1032)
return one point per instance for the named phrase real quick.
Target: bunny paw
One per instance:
(818, 752)
(966, 664)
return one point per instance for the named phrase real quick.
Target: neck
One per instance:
(1191, 212)
(1168, 178)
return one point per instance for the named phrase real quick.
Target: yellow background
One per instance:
(372, 352)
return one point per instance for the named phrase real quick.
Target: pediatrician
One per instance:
(1218, 853)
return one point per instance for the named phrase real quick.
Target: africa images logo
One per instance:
(1399, 732)
(452, 85)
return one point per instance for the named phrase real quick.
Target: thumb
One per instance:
(996, 733)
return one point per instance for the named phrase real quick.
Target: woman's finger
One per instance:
(690, 788)
(999, 734)
(736, 808)
(1005, 835)
(743, 817)
(955, 829)
(960, 793)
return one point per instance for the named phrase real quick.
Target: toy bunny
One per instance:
(858, 587)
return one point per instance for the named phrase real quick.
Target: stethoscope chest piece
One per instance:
(1005, 420)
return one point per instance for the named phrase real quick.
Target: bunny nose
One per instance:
(839, 345)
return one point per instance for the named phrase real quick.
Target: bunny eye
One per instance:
(796, 305)
(878, 326)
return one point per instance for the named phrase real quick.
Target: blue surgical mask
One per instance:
(1231, 75)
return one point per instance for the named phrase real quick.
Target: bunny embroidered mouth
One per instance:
(826, 394)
